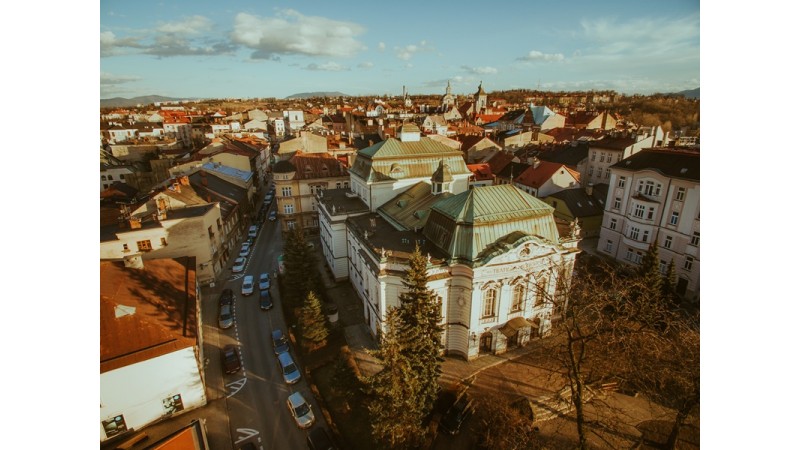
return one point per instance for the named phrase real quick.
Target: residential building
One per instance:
(477, 148)
(543, 178)
(307, 142)
(294, 119)
(586, 205)
(111, 173)
(151, 348)
(611, 149)
(298, 182)
(654, 196)
(481, 175)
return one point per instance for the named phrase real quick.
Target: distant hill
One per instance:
(120, 102)
(316, 94)
(693, 93)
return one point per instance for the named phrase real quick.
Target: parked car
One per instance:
(456, 415)
(225, 316)
(279, 342)
(268, 199)
(264, 300)
(291, 374)
(248, 285)
(272, 216)
(226, 298)
(238, 264)
(263, 281)
(300, 410)
(230, 359)
(318, 439)
(245, 251)
(253, 231)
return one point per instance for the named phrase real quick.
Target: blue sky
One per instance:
(278, 48)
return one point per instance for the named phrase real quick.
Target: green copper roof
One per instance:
(464, 225)
(393, 159)
(394, 148)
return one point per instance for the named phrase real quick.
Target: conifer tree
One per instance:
(650, 269)
(421, 333)
(668, 287)
(301, 275)
(393, 406)
(313, 323)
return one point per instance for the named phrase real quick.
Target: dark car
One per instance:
(230, 359)
(279, 342)
(226, 298)
(457, 414)
(265, 300)
(318, 439)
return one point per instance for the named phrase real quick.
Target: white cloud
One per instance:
(291, 33)
(111, 45)
(405, 53)
(190, 25)
(366, 65)
(327, 67)
(107, 79)
(480, 70)
(381, 46)
(535, 56)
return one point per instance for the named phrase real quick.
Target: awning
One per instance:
(512, 326)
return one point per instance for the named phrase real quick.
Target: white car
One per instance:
(247, 285)
(245, 249)
(238, 264)
(301, 410)
(253, 231)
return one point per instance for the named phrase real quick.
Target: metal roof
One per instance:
(393, 159)
(466, 224)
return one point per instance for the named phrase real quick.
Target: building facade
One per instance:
(654, 196)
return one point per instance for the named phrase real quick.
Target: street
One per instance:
(256, 395)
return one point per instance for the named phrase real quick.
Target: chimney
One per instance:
(184, 180)
(536, 162)
(589, 189)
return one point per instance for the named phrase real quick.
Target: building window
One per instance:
(286, 191)
(210, 232)
(122, 176)
(105, 185)
(613, 224)
(219, 225)
(609, 245)
(163, 242)
(681, 194)
(110, 178)
(621, 182)
(695, 239)
(608, 173)
(687, 265)
(489, 302)
(594, 154)
(541, 291)
(633, 256)
(290, 224)
(668, 242)
(638, 211)
(634, 233)
(125, 248)
(172, 404)
(103, 177)
(288, 209)
(591, 171)
(346, 184)
(144, 246)
(114, 426)
(673, 219)
(662, 266)
(517, 299)
(650, 188)
(602, 156)
(650, 213)
(338, 185)
(645, 235)
(617, 202)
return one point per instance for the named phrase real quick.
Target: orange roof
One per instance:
(481, 171)
(535, 176)
(486, 118)
(164, 317)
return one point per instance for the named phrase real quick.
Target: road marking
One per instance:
(235, 277)
(248, 433)
(236, 386)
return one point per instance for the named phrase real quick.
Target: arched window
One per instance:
(489, 302)
(517, 299)
(541, 291)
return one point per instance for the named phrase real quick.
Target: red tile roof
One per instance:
(536, 176)
(316, 165)
(165, 316)
(482, 171)
(499, 161)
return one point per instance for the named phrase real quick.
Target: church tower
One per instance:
(480, 100)
(448, 99)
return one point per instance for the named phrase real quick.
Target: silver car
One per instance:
(238, 265)
(247, 285)
(291, 374)
(225, 316)
(263, 281)
(300, 410)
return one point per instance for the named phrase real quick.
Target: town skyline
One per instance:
(199, 51)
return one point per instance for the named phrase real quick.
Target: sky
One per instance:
(246, 49)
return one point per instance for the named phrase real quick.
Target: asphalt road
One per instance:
(256, 396)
